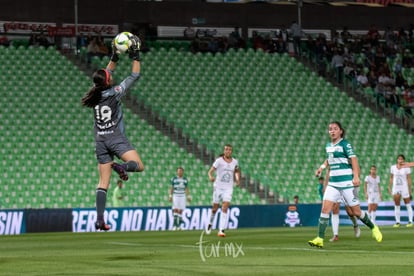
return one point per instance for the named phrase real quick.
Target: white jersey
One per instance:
(225, 173)
(372, 184)
(400, 183)
(373, 189)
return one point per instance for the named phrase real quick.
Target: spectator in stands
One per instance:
(4, 41)
(92, 49)
(321, 49)
(42, 40)
(223, 44)
(399, 79)
(337, 64)
(296, 199)
(110, 140)
(235, 39)
(389, 37)
(81, 41)
(33, 40)
(372, 77)
(102, 48)
(407, 59)
(394, 100)
(373, 35)
(350, 71)
(118, 195)
(257, 41)
(296, 34)
(383, 88)
(189, 33)
(408, 96)
(397, 66)
(283, 38)
(362, 79)
(345, 35)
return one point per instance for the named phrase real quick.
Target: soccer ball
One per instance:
(122, 41)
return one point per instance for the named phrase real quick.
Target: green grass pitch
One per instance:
(259, 251)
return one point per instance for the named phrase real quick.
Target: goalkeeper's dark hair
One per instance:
(101, 80)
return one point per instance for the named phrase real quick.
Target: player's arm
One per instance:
(379, 191)
(237, 175)
(355, 171)
(170, 193)
(114, 58)
(187, 192)
(390, 183)
(326, 181)
(409, 182)
(133, 53)
(211, 174)
(366, 189)
(319, 171)
(408, 164)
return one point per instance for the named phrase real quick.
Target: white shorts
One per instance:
(179, 202)
(222, 195)
(401, 190)
(356, 194)
(349, 196)
(374, 198)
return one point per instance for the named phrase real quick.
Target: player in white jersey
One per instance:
(400, 186)
(179, 194)
(227, 172)
(343, 173)
(372, 192)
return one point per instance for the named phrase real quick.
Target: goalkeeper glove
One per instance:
(114, 56)
(133, 50)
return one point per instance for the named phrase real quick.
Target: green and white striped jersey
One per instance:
(179, 184)
(339, 155)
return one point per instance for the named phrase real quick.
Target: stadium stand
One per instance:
(273, 110)
(47, 139)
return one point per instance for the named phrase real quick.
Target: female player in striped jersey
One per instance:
(178, 195)
(110, 140)
(336, 208)
(343, 175)
(227, 171)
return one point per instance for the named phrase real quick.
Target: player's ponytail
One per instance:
(101, 80)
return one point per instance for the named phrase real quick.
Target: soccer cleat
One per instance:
(334, 238)
(397, 225)
(174, 228)
(120, 171)
(208, 229)
(376, 233)
(410, 224)
(316, 242)
(100, 225)
(221, 233)
(357, 231)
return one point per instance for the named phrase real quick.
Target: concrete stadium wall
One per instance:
(183, 13)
